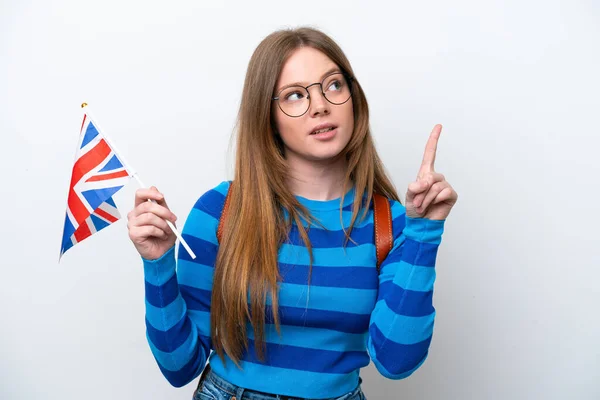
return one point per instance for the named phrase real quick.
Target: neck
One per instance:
(317, 180)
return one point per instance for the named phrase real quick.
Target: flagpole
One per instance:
(133, 174)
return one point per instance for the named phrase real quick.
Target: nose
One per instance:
(318, 102)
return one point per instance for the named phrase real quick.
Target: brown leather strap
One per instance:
(382, 225)
(382, 222)
(223, 216)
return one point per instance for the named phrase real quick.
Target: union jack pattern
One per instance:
(97, 175)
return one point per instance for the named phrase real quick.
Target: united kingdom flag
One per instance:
(97, 175)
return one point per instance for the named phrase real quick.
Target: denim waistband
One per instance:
(248, 394)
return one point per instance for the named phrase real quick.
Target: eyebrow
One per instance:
(331, 71)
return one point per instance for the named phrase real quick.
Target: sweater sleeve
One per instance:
(401, 324)
(178, 293)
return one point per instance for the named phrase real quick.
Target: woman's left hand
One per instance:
(430, 196)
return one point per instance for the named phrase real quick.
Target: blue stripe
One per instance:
(301, 358)
(186, 374)
(201, 225)
(342, 277)
(172, 338)
(324, 319)
(111, 202)
(357, 301)
(334, 236)
(161, 296)
(158, 272)
(206, 252)
(360, 256)
(202, 321)
(67, 244)
(112, 164)
(418, 253)
(410, 277)
(400, 328)
(175, 360)
(196, 299)
(68, 231)
(394, 357)
(406, 302)
(95, 197)
(165, 318)
(294, 314)
(314, 338)
(212, 203)
(320, 238)
(90, 133)
(195, 275)
(352, 301)
(99, 224)
(424, 230)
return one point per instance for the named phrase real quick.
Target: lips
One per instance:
(322, 128)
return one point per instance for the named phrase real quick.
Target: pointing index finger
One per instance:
(430, 150)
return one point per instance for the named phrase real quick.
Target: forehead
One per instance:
(305, 65)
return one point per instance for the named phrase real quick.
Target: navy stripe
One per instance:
(321, 238)
(196, 299)
(332, 320)
(167, 341)
(395, 357)
(162, 296)
(343, 277)
(212, 203)
(406, 302)
(398, 225)
(206, 252)
(187, 373)
(199, 299)
(417, 253)
(305, 359)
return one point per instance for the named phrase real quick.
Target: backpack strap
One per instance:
(382, 225)
(223, 217)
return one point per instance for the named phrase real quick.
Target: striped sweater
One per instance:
(349, 315)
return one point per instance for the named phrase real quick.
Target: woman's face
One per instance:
(304, 67)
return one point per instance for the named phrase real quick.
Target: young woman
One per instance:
(286, 301)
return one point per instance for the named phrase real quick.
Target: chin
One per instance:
(325, 155)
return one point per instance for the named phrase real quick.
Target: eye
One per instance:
(335, 85)
(293, 96)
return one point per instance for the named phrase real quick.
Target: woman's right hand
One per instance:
(147, 227)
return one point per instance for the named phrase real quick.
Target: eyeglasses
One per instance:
(294, 101)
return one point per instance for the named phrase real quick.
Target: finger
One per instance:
(428, 163)
(415, 188)
(431, 178)
(149, 219)
(142, 195)
(150, 207)
(446, 195)
(435, 190)
(141, 233)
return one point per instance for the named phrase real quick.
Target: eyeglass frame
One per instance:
(348, 78)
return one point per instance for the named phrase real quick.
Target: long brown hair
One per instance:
(246, 266)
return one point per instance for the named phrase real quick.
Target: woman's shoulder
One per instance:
(396, 207)
(213, 200)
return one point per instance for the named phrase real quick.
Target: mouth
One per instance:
(323, 129)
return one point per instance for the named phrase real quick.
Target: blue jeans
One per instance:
(213, 387)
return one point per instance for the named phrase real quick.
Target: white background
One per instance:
(515, 85)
